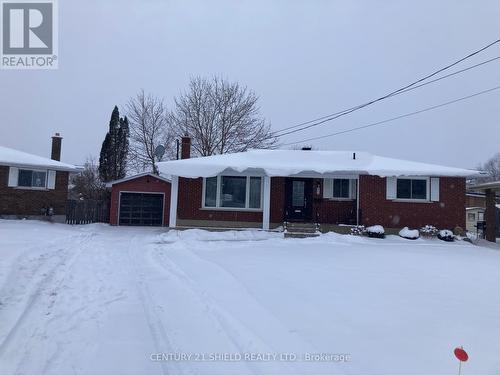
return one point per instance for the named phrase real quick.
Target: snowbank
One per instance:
(227, 235)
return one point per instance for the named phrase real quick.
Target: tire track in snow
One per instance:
(235, 330)
(285, 330)
(244, 289)
(64, 256)
(156, 328)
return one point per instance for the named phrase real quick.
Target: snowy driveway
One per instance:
(106, 300)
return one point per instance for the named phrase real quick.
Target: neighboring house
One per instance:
(477, 199)
(32, 186)
(265, 188)
(475, 203)
(143, 199)
(473, 215)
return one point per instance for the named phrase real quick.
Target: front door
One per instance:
(298, 199)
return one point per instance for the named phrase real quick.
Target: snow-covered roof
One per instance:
(128, 178)
(15, 158)
(299, 162)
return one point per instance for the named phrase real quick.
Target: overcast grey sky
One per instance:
(304, 59)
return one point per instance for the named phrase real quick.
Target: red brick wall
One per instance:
(190, 201)
(335, 212)
(376, 209)
(146, 184)
(28, 202)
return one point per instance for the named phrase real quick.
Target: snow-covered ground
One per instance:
(106, 300)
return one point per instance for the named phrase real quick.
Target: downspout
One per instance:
(357, 201)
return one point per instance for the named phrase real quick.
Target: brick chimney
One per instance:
(56, 147)
(185, 147)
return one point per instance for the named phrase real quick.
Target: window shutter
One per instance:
(13, 176)
(391, 187)
(435, 189)
(328, 188)
(354, 190)
(51, 180)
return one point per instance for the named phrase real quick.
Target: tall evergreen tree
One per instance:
(114, 150)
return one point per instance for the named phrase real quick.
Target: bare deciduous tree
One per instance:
(149, 128)
(221, 117)
(492, 167)
(87, 184)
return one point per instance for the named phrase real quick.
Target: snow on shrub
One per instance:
(358, 230)
(446, 235)
(376, 231)
(471, 236)
(410, 234)
(429, 231)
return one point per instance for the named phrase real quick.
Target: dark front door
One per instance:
(141, 209)
(298, 199)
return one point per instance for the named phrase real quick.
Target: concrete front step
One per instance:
(301, 227)
(301, 230)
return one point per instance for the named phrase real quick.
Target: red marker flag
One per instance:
(461, 354)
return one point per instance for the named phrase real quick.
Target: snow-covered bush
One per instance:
(376, 231)
(429, 231)
(471, 236)
(410, 234)
(358, 230)
(446, 235)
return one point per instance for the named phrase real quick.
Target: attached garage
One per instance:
(140, 200)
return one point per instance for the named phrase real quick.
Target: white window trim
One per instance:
(427, 198)
(32, 187)
(218, 192)
(350, 190)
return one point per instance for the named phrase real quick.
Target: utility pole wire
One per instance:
(397, 117)
(333, 116)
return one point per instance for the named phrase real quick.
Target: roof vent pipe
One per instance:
(306, 148)
(353, 156)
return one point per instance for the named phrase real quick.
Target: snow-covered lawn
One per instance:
(106, 300)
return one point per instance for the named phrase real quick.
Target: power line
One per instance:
(397, 117)
(333, 116)
(416, 87)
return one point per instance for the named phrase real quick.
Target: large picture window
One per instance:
(233, 192)
(407, 188)
(29, 178)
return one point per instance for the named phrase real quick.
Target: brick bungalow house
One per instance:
(32, 186)
(265, 188)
